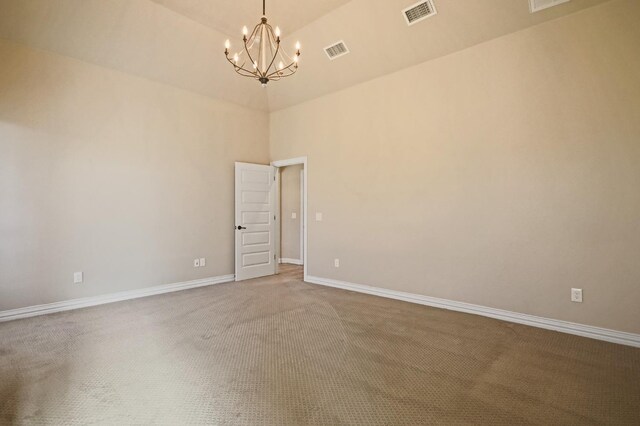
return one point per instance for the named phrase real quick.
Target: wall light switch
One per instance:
(576, 295)
(336, 263)
(318, 217)
(196, 263)
(203, 261)
(77, 277)
(294, 215)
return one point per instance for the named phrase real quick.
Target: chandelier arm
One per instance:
(251, 76)
(253, 33)
(286, 71)
(275, 55)
(252, 38)
(244, 72)
(239, 68)
(246, 49)
(265, 28)
(285, 57)
(235, 65)
(291, 72)
(268, 29)
(249, 54)
(260, 53)
(287, 68)
(280, 77)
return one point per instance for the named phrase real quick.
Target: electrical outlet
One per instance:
(336, 263)
(77, 277)
(576, 295)
(318, 217)
(294, 215)
(196, 263)
(203, 261)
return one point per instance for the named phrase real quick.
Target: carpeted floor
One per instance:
(278, 351)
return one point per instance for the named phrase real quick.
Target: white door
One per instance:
(255, 221)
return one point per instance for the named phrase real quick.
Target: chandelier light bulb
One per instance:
(295, 58)
(280, 65)
(235, 58)
(245, 30)
(277, 31)
(297, 45)
(227, 44)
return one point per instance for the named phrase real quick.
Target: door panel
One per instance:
(255, 211)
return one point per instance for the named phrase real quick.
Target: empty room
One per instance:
(320, 212)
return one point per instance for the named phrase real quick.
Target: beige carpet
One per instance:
(278, 351)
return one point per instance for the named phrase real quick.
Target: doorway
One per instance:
(258, 246)
(291, 214)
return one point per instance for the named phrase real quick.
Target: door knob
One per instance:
(240, 227)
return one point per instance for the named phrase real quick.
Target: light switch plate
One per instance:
(318, 217)
(203, 261)
(294, 215)
(77, 277)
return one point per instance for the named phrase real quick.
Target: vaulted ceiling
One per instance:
(180, 42)
(230, 16)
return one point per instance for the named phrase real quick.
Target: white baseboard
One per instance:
(605, 334)
(66, 305)
(290, 261)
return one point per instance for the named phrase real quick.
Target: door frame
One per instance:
(305, 211)
(302, 212)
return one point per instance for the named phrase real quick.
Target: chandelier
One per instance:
(262, 58)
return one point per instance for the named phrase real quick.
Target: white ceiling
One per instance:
(180, 42)
(138, 37)
(229, 16)
(381, 42)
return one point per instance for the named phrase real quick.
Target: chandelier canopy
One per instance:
(262, 57)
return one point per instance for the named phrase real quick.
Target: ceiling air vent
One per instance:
(419, 11)
(538, 5)
(336, 50)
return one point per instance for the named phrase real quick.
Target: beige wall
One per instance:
(116, 176)
(502, 175)
(290, 203)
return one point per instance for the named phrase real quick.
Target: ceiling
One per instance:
(229, 16)
(180, 42)
(381, 42)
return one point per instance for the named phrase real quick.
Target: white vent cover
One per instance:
(419, 11)
(336, 50)
(538, 5)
